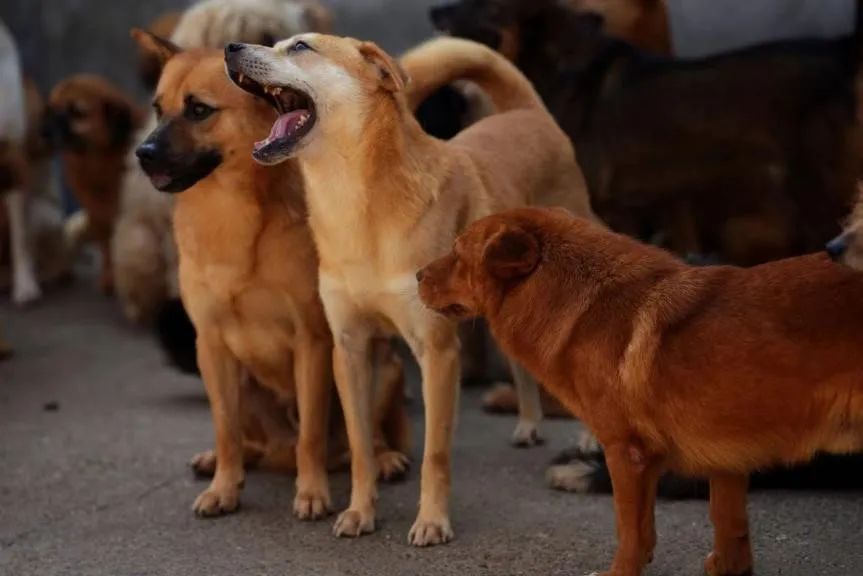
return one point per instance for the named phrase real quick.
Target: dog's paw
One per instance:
(526, 435)
(26, 291)
(716, 566)
(217, 501)
(501, 399)
(203, 464)
(430, 531)
(354, 523)
(392, 465)
(588, 445)
(311, 504)
(573, 477)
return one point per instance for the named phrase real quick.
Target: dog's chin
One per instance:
(175, 180)
(270, 152)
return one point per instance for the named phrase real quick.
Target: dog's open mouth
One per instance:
(296, 117)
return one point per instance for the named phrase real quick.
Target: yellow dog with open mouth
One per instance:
(385, 198)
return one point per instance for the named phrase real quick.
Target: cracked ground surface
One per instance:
(98, 483)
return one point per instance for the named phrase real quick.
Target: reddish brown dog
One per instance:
(707, 371)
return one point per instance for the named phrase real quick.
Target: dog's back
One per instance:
(722, 368)
(542, 161)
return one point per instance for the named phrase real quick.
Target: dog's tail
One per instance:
(440, 61)
(176, 335)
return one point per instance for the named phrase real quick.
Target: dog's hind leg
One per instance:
(529, 408)
(392, 425)
(313, 376)
(222, 375)
(732, 553)
(25, 287)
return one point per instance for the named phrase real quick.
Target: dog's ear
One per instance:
(393, 78)
(162, 50)
(511, 253)
(120, 121)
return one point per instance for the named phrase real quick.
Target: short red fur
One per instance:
(707, 371)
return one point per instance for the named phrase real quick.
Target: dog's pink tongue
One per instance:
(284, 126)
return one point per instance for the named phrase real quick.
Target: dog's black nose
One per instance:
(420, 275)
(146, 152)
(234, 47)
(837, 247)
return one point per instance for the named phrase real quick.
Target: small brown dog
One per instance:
(249, 279)
(707, 371)
(93, 122)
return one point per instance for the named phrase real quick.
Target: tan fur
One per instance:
(144, 252)
(402, 196)
(248, 278)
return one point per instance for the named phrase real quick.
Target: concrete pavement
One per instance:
(95, 433)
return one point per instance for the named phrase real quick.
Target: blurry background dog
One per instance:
(92, 123)
(14, 172)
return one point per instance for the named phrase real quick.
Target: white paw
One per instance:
(573, 477)
(588, 444)
(526, 434)
(25, 291)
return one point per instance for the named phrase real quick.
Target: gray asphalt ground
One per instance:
(100, 486)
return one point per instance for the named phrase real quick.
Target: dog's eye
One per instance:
(300, 46)
(197, 111)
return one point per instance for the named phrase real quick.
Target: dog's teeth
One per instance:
(276, 91)
(241, 78)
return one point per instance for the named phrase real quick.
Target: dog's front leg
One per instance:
(106, 277)
(529, 407)
(438, 353)
(353, 372)
(634, 477)
(25, 287)
(732, 553)
(313, 377)
(222, 376)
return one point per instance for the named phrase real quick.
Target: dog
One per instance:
(14, 171)
(248, 277)
(713, 371)
(93, 123)
(144, 252)
(642, 23)
(402, 196)
(759, 164)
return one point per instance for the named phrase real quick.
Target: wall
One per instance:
(61, 37)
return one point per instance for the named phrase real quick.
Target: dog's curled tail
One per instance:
(440, 61)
